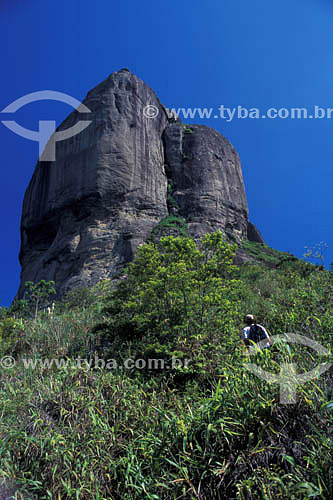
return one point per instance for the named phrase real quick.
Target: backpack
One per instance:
(256, 333)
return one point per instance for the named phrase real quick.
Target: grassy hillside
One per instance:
(265, 255)
(203, 427)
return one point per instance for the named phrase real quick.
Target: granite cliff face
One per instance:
(206, 179)
(85, 214)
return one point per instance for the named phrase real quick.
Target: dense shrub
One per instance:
(211, 431)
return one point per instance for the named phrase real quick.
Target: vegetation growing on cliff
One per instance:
(264, 254)
(171, 202)
(208, 429)
(171, 222)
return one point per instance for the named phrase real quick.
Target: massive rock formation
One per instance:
(206, 179)
(85, 214)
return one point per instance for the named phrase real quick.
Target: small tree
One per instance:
(38, 294)
(19, 309)
(3, 312)
(178, 298)
(316, 252)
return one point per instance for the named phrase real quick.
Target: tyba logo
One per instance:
(288, 378)
(46, 135)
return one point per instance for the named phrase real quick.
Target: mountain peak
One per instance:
(110, 187)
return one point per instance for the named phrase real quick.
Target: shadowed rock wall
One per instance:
(85, 214)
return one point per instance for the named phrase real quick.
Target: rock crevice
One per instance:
(85, 214)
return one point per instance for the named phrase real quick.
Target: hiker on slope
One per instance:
(253, 332)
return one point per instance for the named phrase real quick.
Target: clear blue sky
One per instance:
(193, 53)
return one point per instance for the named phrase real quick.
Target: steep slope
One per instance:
(86, 213)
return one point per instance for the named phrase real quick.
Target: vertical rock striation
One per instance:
(207, 180)
(85, 214)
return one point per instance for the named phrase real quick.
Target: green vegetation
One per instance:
(187, 130)
(38, 295)
(316, 252)
(172, 222)
(265, 254)
(206, 429)
(171, 202)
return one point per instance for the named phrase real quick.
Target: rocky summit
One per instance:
(112, 186)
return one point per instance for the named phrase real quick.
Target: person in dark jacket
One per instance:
(254, 332)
